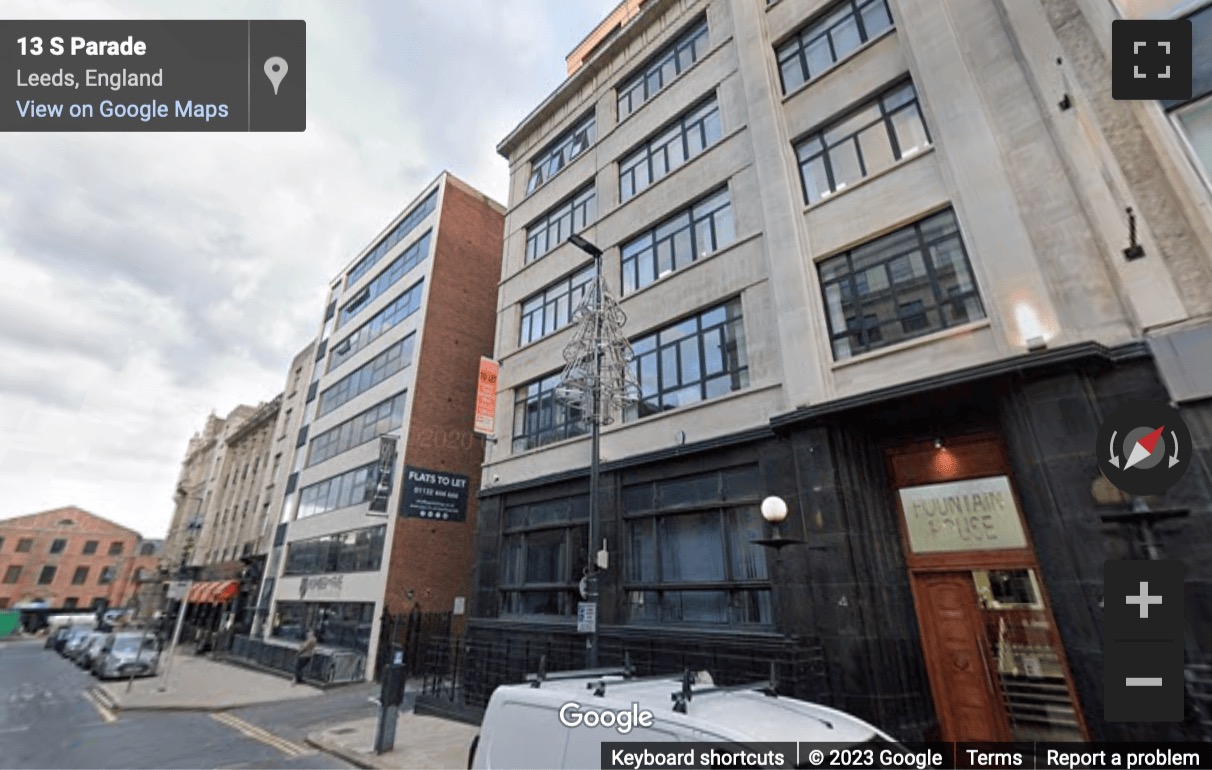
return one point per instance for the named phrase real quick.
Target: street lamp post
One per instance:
(774, 511)
(192, 530)
(598, 378)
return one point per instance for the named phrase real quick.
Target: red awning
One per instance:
(224, 591)
(195, 593)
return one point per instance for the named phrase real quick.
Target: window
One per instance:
(543, 556)
(79, 576)
(115, 548)
(689, 136)
(540, 417)
(695, 359)
(12, 574)
(1194, 116)
(107, 575)
(399, 267)
(911, 282)
(397, 234)
(554, 227)
(58, 545)
(829, 39)
(341, 491)
(47, 576)
(388, 318)
(667, 64)
(1195, 119)
(689, 551)
(71, 602)
(337, 624)
(696, 232)
(25, 544)
(360, 550)
(863, 143)
(147, 549)
(99, 603)
(367, 426)
(552, 308)
(560, 153)
(90, 547)
(1, 544)
(394, 359)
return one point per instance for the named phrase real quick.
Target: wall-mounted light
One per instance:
(938, 443)
(1034, 335)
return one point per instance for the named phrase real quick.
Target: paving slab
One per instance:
(422, 743)
(200, 684)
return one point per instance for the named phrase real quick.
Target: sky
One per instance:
(150, 279)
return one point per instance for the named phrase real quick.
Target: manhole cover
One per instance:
(343, 730)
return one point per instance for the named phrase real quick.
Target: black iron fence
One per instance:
(411, 634)
(460, 674)
(327, 666)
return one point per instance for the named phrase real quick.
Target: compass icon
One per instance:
(1143, 447)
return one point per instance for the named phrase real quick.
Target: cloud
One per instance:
(151, 278)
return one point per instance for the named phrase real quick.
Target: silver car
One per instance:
(77, 642)
(92, 648)
(126, 654)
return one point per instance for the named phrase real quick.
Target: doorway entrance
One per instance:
(995, 662)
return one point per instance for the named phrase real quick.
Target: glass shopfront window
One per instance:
(337, 624)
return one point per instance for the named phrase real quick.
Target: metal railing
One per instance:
(327, 666)
(459, 675)
(410, 633)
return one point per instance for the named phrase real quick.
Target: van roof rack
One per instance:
(537, 679)
(681, 698)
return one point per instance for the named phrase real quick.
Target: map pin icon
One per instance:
(275, 70)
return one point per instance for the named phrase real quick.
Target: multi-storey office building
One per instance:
(871, 254)
(397, 355)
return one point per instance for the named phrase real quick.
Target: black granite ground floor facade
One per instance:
(882, 611)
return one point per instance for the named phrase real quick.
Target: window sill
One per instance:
(927, 339)
(737, 243)
(833, 67)
(869, 178)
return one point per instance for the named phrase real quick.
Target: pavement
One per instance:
(422, 743)
(200, 684)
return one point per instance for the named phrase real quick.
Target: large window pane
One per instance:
(862, 143)
(904, 287)
(828, 38)
(695, 131)
(560, 153)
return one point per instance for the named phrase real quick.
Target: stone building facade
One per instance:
(872, 259)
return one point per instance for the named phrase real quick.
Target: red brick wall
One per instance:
(434, 560)
(43, 528)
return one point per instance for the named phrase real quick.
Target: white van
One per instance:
(561, 721)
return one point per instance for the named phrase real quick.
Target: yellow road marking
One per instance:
(106, 713)
(250, 730)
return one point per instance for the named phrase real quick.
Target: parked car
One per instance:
(561, 721)
(74, 640)
(90, 648)
(128, 653)
(54, 635)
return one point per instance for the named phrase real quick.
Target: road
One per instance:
(49, 720)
